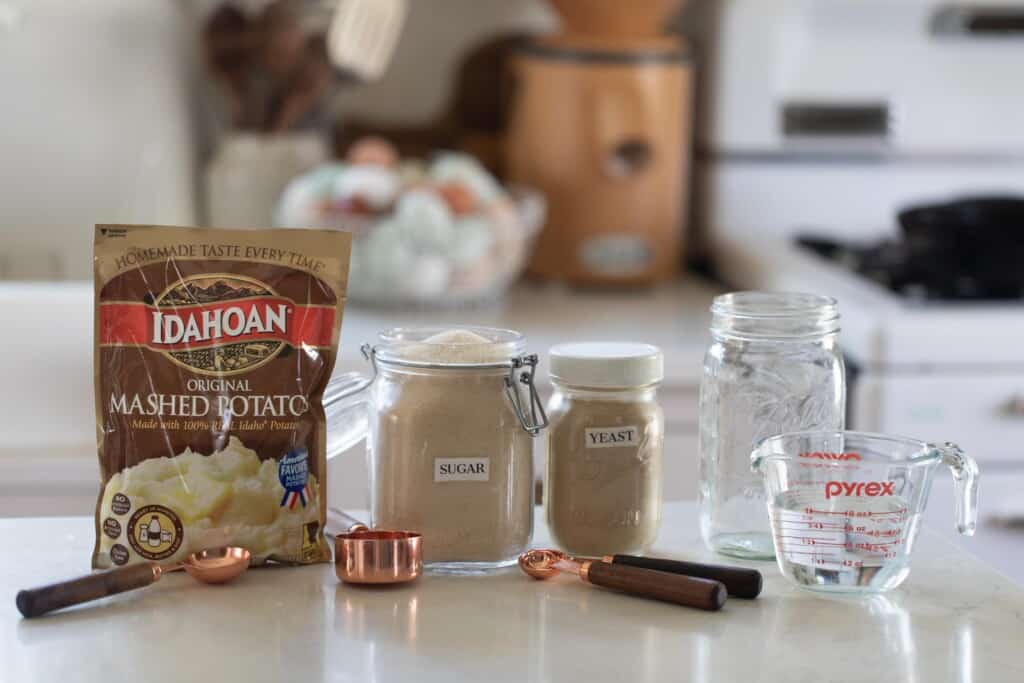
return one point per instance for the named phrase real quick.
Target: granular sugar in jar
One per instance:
(605, 443)
(450, 458)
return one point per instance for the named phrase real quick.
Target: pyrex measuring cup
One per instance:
(845, 506)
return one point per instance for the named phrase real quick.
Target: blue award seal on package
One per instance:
(293, 473)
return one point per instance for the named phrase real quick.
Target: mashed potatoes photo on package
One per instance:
(227, 497)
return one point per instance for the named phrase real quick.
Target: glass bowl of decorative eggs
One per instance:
(441, 232)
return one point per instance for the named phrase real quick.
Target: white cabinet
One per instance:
(981, 412)
(680, 467)
(43, 484)
(681, 456)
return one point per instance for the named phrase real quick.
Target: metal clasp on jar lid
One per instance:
(538, 419)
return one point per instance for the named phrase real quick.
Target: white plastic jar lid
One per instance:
(607, 365)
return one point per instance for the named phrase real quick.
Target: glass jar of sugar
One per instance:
(605, 441)
(450, 416)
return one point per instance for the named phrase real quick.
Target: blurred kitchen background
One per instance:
(575, 169)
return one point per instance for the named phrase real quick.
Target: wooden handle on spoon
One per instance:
(674, 588)
(38, 601)
(739, 581)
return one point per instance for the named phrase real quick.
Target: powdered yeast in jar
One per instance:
(605, 443)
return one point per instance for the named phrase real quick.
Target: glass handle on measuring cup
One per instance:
(965, 475)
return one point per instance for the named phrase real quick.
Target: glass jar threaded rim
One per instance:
(777, 316)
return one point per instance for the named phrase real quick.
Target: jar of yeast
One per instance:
(605, 443)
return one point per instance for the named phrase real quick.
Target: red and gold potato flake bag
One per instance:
(213, 349)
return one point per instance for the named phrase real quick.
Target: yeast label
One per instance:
(462, 469)
(612, 437)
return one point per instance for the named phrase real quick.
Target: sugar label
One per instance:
(462, 469)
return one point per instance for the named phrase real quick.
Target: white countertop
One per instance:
(954, 619)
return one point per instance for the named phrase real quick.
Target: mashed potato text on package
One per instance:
(213, 349)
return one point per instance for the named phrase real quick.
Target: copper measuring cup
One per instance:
(374, 556)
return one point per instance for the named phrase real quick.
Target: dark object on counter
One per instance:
(647, 583)
(227, 44)
(675, 588)
(474, 119)
(36, 602)
(966, 224)
(277, 76)
(971, 249)
(218, 565)
(738, 581)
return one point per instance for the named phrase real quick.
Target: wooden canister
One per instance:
(603, 129)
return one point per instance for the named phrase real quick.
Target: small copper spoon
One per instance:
(675, 588)
(217, 565)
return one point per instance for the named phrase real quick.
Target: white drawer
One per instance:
(348, 480)
(680, 472)
(681, 406)
(49, 482)
(982, 412)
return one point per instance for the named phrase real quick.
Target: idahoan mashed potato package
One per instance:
(213, 349)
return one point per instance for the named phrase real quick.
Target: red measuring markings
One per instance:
(831, 529)
(823, 528)
(854, 513)
(841, 526)
(891, 533)
(821, 561)
(792, 534)
(818, 559)
(872, 547)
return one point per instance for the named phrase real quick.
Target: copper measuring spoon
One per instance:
(374, 556)
(217, 565)
(658, 585)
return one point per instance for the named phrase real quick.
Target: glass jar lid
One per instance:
(607, 365)
(450, 346)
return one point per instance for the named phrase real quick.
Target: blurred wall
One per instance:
(105, 128)
(96, 125)
(436, 34)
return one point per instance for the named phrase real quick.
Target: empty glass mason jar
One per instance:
(773, 366)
